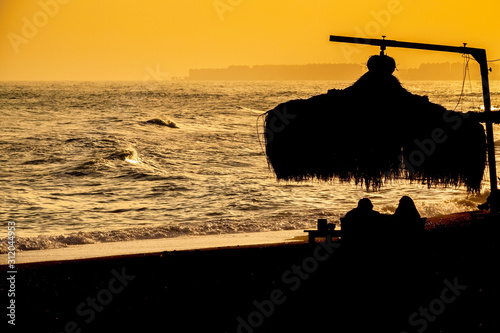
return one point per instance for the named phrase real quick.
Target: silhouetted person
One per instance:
(359, 224)
(365, 208)
(407, 209)
(408, 225)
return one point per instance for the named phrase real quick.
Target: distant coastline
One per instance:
(427, 71)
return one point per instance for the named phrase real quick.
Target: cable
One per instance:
(493, 60)
(470, 85)
(469, 58)
(466, 70)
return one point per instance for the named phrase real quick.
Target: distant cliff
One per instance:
(348, 72)
(446, 71)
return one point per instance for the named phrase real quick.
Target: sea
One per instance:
(93, 162)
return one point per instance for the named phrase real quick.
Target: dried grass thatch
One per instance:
(372, 131)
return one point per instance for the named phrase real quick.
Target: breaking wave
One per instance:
(161, 122)
(45, 242)
(223, 226)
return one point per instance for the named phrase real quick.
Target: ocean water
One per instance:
(81, 164)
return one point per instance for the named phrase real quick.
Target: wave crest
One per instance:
(161, 122)
(45, 242)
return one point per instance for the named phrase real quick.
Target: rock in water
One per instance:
(161, 122)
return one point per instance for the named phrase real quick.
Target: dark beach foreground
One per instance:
(447, 282)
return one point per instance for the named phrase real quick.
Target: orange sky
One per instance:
(146, 39)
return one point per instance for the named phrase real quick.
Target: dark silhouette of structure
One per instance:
(373, 131)
(480, 56)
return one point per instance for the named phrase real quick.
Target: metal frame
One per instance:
(480, 56)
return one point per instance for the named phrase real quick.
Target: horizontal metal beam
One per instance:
(409, 45)
(483, 117)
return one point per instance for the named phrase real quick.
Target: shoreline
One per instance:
(203, 242)
(152, 246)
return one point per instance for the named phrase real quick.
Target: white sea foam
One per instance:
(44, 242)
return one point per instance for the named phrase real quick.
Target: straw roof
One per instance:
(374, 131)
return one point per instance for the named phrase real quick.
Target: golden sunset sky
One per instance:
(139, 39)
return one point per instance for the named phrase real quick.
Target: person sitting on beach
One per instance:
(407, 218)
(360, 222)
(407, 209)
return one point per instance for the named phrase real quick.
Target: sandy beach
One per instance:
(146, 246)
(448, 284)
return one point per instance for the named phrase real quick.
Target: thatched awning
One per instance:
(372, 131)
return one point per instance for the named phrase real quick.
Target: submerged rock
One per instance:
(161, 122)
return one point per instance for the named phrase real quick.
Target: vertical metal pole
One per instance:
(483, 63)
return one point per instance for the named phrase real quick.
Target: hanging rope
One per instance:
(470, 85)
(467, 58)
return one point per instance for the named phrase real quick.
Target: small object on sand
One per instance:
(325, 230)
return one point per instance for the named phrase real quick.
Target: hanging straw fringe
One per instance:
(374, 131)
